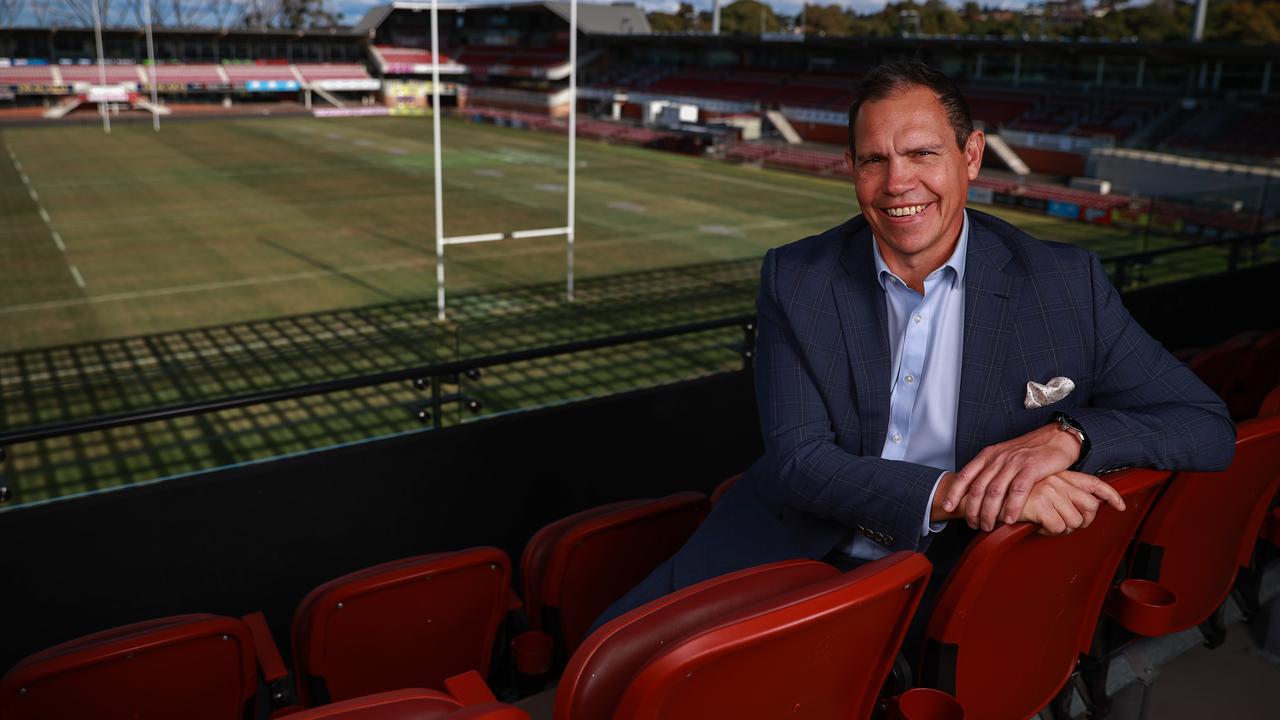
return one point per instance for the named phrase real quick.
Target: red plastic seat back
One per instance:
(190, 666)
(407, 623)
(723, 488)
(1019, 608)
(1258, 375)
(537, 553)
(599, 672)
(1203, 529)
(594, 561)
(409, 704)
(820, 651)
(1219, 366)
(1271, 404)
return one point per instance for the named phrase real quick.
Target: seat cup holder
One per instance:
(533, 652)
(1143, 607)
(925, 704)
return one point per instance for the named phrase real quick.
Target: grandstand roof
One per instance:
(593, 18)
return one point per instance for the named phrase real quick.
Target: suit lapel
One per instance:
(863, 319)
(991, 294)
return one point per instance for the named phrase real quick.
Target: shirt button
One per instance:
(910, 378)
(897, 438)
(918, 319)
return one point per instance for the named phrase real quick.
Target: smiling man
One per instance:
(923, 362)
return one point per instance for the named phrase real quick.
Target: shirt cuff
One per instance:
(932, 527)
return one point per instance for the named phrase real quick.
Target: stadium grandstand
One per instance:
(250, 468)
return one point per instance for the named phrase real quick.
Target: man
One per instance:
(901, 345)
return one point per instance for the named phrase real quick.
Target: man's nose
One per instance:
(902, 176)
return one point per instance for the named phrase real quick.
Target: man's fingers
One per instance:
(1098, 488)
(960, 486)
(1019, 490)
(993, 498)
(978, 491)
(1068, 511)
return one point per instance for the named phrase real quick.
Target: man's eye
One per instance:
(922, 153)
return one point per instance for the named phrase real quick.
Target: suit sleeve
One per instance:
(1147, 408)
(886, 500)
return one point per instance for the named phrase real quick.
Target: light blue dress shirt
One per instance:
(926, 343)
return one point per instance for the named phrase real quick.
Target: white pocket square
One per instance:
(1051, 392)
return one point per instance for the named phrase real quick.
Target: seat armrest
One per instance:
(469, 689)
(270, 663)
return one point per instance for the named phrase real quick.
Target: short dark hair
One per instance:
(895, 75)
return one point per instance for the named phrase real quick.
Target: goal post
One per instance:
(567, 230)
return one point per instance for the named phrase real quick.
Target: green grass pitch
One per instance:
(210, 222)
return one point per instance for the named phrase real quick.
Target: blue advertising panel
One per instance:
(1071, 211)
(271, 85)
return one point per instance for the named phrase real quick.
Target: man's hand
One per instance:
(998, 481)
(1068, 501)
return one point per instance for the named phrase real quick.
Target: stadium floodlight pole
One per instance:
(573, 141)
(151, 58)
(102, 68)
(435, 129)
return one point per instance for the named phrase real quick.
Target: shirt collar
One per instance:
(956, 262)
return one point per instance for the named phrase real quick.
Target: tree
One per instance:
(684, 19)
(748, 17)
(826, 20)
(290, 14)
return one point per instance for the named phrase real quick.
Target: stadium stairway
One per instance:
(60, 111)
(783, 126)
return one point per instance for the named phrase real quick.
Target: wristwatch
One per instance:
(1066, 423)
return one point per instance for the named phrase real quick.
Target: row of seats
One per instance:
(236, 74)
(1241, 370)
(793, 638)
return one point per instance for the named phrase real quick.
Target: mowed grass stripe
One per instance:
(341, 212)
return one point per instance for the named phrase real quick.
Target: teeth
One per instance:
(905, 211)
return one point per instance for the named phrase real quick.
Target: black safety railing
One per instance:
(432, 377)
(1202, 256)
(720, 292)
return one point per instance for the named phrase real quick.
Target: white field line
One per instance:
(44, 215)
(379, 267)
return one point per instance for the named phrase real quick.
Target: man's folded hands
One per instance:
(1025, 480)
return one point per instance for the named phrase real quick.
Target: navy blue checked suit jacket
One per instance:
(1033, 311)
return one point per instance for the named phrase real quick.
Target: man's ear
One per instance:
(973, 148)
(848, 161)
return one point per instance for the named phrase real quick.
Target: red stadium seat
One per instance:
(406, 623)
(192, 666)
(790, 639)
(1020, 608)
(1203, 530)
(474, 702)
(1258, 375)
(1219, 366)
(723, 488)
(577, 567)
(1270, 404)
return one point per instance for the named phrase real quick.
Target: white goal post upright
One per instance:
(102, 68)
(567, 230)
(151, 58)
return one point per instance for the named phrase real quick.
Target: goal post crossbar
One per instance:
(567, 230)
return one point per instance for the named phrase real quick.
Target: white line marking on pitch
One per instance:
(44, 214)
